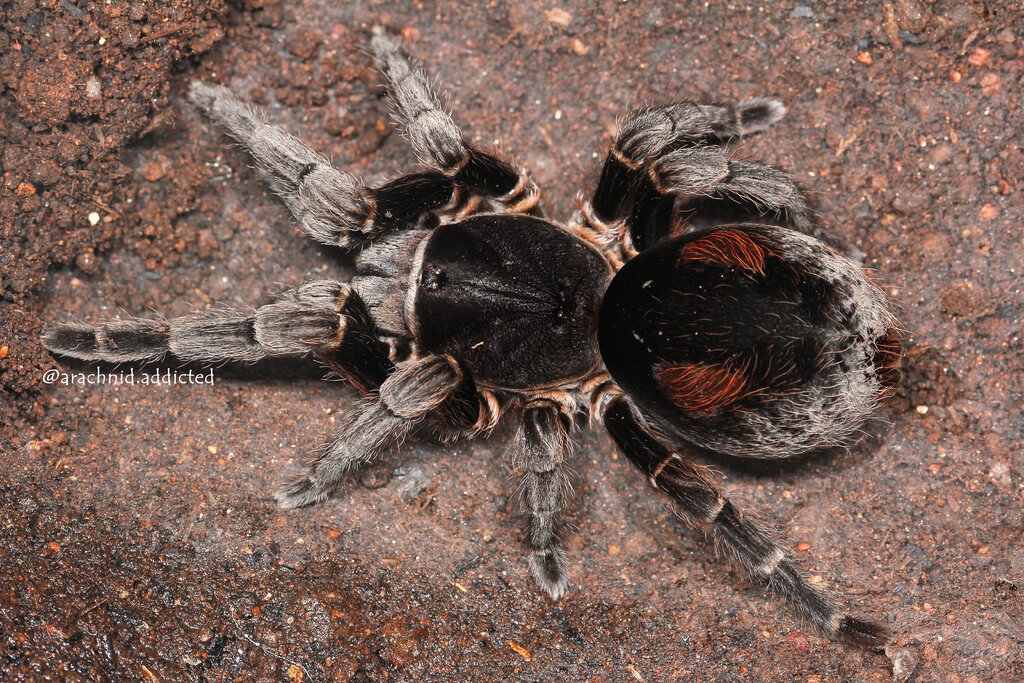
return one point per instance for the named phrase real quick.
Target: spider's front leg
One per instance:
(439, 142)
(540, 449)
(331, 207)
(695, 494)
(312, 318)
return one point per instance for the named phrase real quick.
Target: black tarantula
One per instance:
(752, 340)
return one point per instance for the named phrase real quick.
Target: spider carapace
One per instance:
(752, 338)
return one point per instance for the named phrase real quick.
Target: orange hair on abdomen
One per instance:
(696, 386)
(729, 247)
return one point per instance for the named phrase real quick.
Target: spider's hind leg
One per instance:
(664, 154)
(696, 495)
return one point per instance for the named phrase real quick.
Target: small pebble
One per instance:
(207, 40)
(991, 84)
(922, 410)
(46, 173)
(154, 170)
(375, 477)
(559, 17)
(86, 262)
(999, 472)
(94, 218)
(412, 480)
(93, 88)
(1007, 36)
(979, 57)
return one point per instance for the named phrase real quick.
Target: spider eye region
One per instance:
(734, 338)
(433, 278)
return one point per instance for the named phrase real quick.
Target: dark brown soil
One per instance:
(138, 537)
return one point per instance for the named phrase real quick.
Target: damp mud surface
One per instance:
(138, 536)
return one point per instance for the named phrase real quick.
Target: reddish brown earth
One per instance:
(138, 537)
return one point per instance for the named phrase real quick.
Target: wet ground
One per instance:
(138, 537)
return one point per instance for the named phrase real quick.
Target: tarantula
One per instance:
(754, 340)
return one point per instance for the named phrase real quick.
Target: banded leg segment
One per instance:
(664, 153)
(694, 492)
(332, 207)
(712, 182)
(540, 450)
(409, 394)
(322, 317)
(438, 141)
(359, 356)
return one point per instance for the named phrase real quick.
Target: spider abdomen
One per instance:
(514, 298)
(756, 341)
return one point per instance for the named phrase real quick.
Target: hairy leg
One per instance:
(439, 142)
(661, 154)
(312, 318)
(695, 494)
(539, 452)
(707, 175)
(332, 207)
(410, 393)
(648, 134)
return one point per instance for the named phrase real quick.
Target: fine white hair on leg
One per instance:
(661, 153)
(433, 133)
(697, 496)
(304, 320)
(706, 171)
(541, 446)
(438, 141)
(412, 391)
(329, 205)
